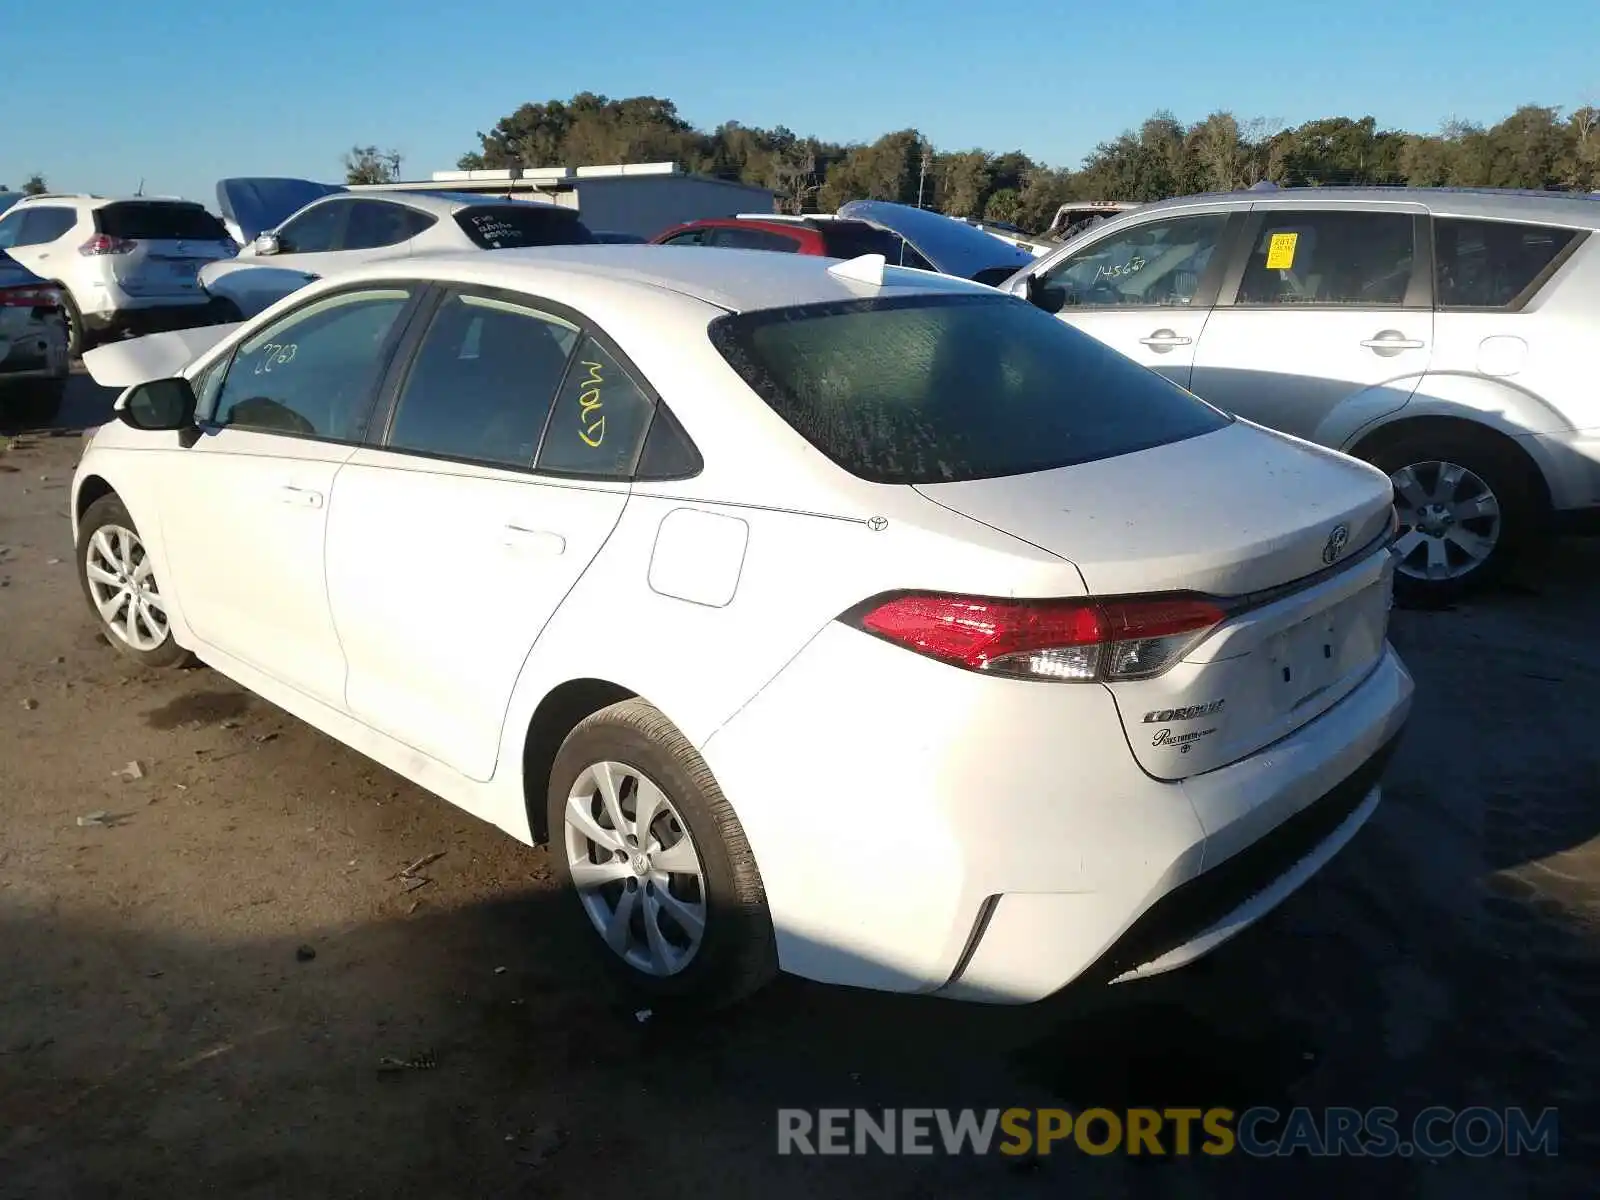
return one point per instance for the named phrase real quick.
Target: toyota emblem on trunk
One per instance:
(1337, 541)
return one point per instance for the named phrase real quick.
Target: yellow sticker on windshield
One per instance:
(1280, 251)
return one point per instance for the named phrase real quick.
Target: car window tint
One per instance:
(153, 220)
(482, 383)
(11, 230)
(1489, 264)
(692, 238)
(418, 222)
(522, 223)
(851, 239)
(373, 223)
(1360, 259)
(599, 420)
(752, 239)
(314, 231)
(313, 372)
(940, 388)
(1155, 264)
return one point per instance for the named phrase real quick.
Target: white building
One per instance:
(637, 198)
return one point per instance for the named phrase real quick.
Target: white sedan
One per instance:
(346, 229)
(853, 621)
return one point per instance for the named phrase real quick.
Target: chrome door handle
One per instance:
(1163, 340)
(300, 497)
(1391, 341)
(533, 541)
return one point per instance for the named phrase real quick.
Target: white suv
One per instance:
(124, 265)
(1444, 335)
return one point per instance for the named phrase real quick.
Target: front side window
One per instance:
(1489, 264)
(1355, 259)
(692, 237)
(315, 231)
(949, 387)
(1157, 264)
(313, 373)
(11, 230)
(599, 420)
(482, 383)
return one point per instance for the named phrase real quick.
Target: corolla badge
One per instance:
(1338, 539)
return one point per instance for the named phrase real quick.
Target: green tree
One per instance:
(964, 181)
(1003, 205)
(888, 169)
(368, 164)
(35, 185)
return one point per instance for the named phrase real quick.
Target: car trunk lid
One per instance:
(1286, 535)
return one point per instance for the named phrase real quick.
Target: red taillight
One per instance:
(30, 297)
(102, 244)
(1066, 640)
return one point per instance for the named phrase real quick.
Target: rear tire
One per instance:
(109, 552)
(1469, 505)
(78, 338)
(687, 857)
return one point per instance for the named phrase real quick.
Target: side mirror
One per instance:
(160, 404)
(1041, 294)
(267, 243)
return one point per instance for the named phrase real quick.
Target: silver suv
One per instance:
(1444, 335)
(122, 265)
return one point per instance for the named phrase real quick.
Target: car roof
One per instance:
(1575, 209)
(438, 203)
(735, 280)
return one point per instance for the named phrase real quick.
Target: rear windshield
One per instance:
(152, 221)
(508, 226)
(942, 388)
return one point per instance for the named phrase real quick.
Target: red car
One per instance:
(831, 237)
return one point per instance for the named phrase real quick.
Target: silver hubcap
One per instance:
(635, 868)
(1449, 520)
(123, 587)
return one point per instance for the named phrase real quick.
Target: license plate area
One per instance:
(1311, 654)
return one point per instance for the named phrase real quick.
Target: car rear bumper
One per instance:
(920, 828)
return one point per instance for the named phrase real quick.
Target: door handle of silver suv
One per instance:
(1163, 340)
(1391, 341)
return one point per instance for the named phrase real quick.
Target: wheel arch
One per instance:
(555, 716)
(90, 488)
(1389, 432)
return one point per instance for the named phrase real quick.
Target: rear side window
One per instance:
(1359, 259)
(377, 223)
(482, 382)
(508, 226)
(850, 239)
(153, 221)
(599, 420)
(1491, 264)
(937, 389)
(752, 239)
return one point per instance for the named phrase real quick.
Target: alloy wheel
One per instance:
(635, 868)
(122, 584)
(1450, 520)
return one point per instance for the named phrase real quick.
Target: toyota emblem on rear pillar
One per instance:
(1336, 543)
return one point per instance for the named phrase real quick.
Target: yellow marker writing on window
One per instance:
(591, 421)
(1280, 251)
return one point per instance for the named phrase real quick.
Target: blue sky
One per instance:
(180, 92)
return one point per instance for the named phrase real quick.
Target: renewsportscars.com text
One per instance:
(1435, 1132)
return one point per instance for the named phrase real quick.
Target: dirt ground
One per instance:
(195, 999)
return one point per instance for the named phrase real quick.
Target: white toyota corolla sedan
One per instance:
(852, 621)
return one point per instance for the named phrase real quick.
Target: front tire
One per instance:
(657, 862)
(120, 582)
(1469, 507)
